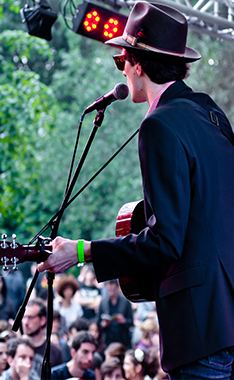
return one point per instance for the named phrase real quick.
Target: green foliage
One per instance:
(28, 111)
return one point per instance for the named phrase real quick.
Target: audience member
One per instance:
(95, 329)
(3, 355)
(6, 330)
(96, 365)
(111, 369)
(15, 287)
(7, 308)
(66, 287)
(20, 360)
(149, 327)
(115, 350)
(89, 295)
(34, 323)
(80, 324)
(62, 344)
(59, 324)
(144, 310)
(38, 285)
(139, 363)
(115, 316)
(82, 352)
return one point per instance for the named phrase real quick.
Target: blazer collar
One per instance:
(177, 89)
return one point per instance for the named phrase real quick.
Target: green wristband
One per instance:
(80, 252)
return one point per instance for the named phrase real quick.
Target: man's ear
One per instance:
(139, 69)
(43, 321)
(10, 360)
(73, 352)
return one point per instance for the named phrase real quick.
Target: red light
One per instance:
(91, 21)
(111, 28)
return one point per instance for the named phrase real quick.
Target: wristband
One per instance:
(80, 253)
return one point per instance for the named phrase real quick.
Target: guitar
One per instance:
(12, 253)
(130, 219)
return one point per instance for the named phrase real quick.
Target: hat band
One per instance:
(133, 41)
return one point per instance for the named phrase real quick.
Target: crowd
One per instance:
(96, 333)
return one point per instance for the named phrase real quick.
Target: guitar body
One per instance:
(131, 219)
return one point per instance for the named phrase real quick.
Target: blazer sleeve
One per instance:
(165, 176)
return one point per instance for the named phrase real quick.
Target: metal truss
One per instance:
(212, 17)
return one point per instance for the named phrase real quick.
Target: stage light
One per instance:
(93, 21)
(38, 19)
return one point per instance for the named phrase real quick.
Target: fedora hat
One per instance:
(156, 29)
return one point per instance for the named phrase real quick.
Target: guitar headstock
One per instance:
(12, 253)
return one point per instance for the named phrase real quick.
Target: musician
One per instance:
(186, 155)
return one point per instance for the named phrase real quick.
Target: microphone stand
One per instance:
(46, 366)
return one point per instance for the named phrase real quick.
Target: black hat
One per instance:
(156, 28)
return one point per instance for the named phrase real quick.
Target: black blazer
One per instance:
(187, 248)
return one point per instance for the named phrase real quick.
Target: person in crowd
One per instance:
(96, 365)
(82, 352)
(59, 324)
(15, 287)
(139, 363)
(66, 287)
(89, 295)
(149, 328)
(3, 355)
(183, 257)
(40, 284)
(144, 310)
(111, 369)
(95, 329)
(7, 307)
(62, 344)
(34, 324)
(20, 359)
(6, 329)
(115, 316)
(115, 350)
(80, 324)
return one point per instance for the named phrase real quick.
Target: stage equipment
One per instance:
(94, 21)
(38, 19)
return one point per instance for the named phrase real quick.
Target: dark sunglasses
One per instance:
(119, 61)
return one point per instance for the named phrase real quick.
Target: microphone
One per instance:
(119, 92)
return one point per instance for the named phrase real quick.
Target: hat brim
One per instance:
(190, 55)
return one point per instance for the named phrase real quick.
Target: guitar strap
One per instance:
(220, 121)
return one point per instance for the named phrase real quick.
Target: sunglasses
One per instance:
(120, 61)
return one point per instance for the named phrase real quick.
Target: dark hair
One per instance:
(13, 343)
(108, 366)
(56, 315)
(148, 360)
(116, 350)
(79, 324)
(83, 337)
(158, 70)
(111, 282)
(40, 303)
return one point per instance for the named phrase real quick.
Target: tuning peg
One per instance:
(4, 261)
(14, 261)
(4, 245)
(13, 244)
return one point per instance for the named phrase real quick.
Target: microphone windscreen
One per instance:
(121, 91)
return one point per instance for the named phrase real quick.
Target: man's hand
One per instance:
(64, 255)
(23, 369)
